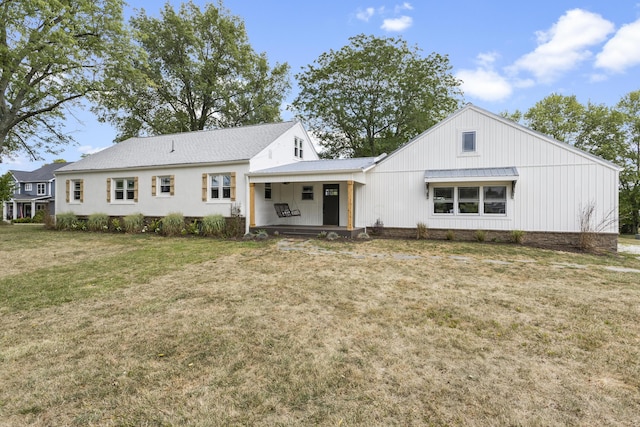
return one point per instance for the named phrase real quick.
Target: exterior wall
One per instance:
(187, 198)
(555, 180)
(281, 151)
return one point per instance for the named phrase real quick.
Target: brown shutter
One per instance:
(172, 183)
(108, 190)
(135, 189)
(68, 191)
(204, 187)
(153, 186)
(81, 190)
(233, 186)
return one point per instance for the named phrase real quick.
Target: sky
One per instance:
(508, 54)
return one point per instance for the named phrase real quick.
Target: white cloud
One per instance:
(397, 24)
(484, 83)
(622, 50)
(564, 45)
(403, 6)
(365, 15)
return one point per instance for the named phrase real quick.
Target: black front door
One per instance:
(331, 204)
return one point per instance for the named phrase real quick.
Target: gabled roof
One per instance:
(42, 174)
(511, 123)
(321, 166)
(210, 146)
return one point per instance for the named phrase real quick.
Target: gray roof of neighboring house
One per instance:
(44, 173)
(209, 146)
(319, 166)
(471, 173)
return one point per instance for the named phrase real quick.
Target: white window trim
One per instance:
(44, 189)
(159, 192)
(125, 200)
(221, 187)
(456, 209)
(72, 191)
(461, 150)
(28, 187)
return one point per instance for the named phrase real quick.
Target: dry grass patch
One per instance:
(327, 334)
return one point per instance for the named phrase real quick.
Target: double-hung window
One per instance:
(297, 148)
(443, 200)
(41, 189)
(307, 192)
(219, 187)
(124, 189)
(28, 187)
(267, 191)
(468, 200)
(495, 199)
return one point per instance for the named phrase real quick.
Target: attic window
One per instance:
(297, 148)
(468, 142)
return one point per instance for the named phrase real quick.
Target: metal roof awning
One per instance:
(471, 175)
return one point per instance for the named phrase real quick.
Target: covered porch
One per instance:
(319, 194)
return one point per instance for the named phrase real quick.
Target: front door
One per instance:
(331, 204)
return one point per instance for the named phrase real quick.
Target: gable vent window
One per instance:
(468, 142)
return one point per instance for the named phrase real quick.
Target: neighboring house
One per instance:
(194, 173)
(473, 171)
(34, 191)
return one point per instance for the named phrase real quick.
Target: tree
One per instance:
(7, 187)
(557, 116)
(373, 95)
(52, 55)
(629, 107)
(196, 70)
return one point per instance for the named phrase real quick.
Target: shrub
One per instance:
(25, 220)
(133, 223)
(480, 235)
(450, 235)
(422, 231)
(193, 228)
(173, 224)
(363, 236)
(213, 225)
(66, 221)
(234, 227)
(39, 216)
(322, 235)
(262, 235)
(333, 236)
(517, 236)
(116, 225)
(155, 226)
(98, 222)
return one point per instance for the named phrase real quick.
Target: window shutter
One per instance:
(68, 190)
(81, 190)
(204, 187)
(172, 182)
(153, 186)
(108, 190)
(135, 189)
(233, 186)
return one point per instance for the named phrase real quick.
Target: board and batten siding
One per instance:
(555, 180)
(187, 197)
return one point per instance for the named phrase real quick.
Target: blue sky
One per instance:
(509, 54)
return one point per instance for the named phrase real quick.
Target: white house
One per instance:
(195, 173)
(473, 171)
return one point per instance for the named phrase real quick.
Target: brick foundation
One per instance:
(598, 242)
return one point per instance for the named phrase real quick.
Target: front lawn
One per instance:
(132, 330)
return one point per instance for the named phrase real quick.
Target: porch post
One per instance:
(349, 205)
(252, 204)
(15, 210)
(33, 208)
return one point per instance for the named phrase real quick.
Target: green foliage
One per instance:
(38, 217)
(556, 115)
(332, 235)
(363, 236)
(373, 95)
(98, 222)
(262, 235)
(173, 224)
(322, 235)
(53, 54)
(213, 225)
(66, 221)
(422, 231)
(480, 235)
(133, 223)
(7, 185)
(517, 236)
(193, 228)
(196, 70)
(25, 220)
(116, 225)
(155, 226)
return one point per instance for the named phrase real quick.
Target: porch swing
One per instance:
(284, 211)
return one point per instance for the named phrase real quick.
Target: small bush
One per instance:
(116, 225)
(155, 226)
(322, 235)
(234, 227)
(480, 235)
(213, 225)
(450, 235)
(262, 235)
(422, 231)
(173, 224)
(98, 222)
(66, 221)
(333, 236)
(133, 223)
(193, 228)
(25, 220)
(363, 236)
(517, 236)
(39, 216)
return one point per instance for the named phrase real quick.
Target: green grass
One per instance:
(119, 329)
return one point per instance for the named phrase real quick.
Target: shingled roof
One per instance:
(42, 174)
(210, 146)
